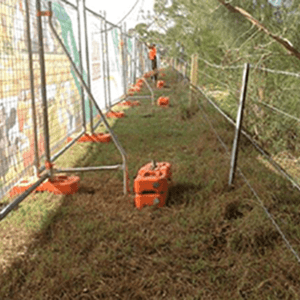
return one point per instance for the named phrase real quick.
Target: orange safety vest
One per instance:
(152, 53)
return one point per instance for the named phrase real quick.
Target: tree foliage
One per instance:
(223, 37)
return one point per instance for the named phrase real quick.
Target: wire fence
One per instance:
(63, 88)
(277, 165)
(97, 50)
(44, 108)
(260, 201)
(271, 114)
(16, 137)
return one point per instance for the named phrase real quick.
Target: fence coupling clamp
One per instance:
(48, 165)
(46, 13)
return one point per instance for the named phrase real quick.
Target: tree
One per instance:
(221, 33)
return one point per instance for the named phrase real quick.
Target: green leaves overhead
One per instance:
(207, 27)
(220, 34)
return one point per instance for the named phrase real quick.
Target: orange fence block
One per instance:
(137, 89)
(140, 82)
(164, 167)
(150, 182)
(150, 199)
(160, 84)
(114, 114)
(163, 101)
(130, 103)
(63, 185)
(95, 138)
(148, 74)
(131, 91)
(151, 185)
(22, 186)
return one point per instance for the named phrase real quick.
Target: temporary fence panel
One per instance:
(16, 128)
(22, 123)
(140, 59)
(95, 59)
(143, 61)
(37, 113)
(63, 87)
(137, 59)
(148, 66)
(130, 54)
(115, 64)
(22, 139)
(122, 166)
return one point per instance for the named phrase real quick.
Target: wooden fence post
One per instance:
(194, 76)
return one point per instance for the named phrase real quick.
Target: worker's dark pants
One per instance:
(154, 68)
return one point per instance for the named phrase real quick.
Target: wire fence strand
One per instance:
(276, 109)
(219, 66)
(251, 65)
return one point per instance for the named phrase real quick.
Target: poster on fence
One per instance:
(115, 64)
(17, 150)
(95, 59)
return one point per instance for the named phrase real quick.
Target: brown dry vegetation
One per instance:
(208, 242)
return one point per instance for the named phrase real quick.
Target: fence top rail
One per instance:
(102, 17)
(69, 3)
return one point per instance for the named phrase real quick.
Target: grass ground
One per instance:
(208, 242)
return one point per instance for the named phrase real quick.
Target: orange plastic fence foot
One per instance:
(21, 187)
(131, 91)
(150, 200)
(101, 137)
(130, 103)
(126, 103)
(163, 167)
(85, 138)
(151, 185)
(139, 83)
(114, 114)
(160, 84)
(61, 185)
(163, 101)
(95, 138)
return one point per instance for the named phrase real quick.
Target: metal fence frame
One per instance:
(47, 171)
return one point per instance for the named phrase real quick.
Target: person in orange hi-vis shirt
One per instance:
(152, 56)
